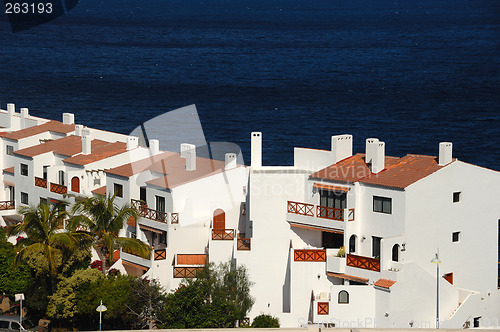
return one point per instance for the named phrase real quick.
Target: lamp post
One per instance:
(436, 261)
(20, 297)
(101, 308)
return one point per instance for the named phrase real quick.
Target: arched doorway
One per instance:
(352, 243)
(219, 221)
(395, 253)
(75, 184)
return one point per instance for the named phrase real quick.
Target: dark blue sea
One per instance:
(412, 73)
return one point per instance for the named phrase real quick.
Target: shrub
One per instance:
(341, 252)
(265, 321)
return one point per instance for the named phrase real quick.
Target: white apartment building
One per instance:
(287, 224)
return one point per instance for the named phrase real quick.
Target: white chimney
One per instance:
(230, 160)
(370, 149)
(86, 141)
(68, 118)
(185, 147)
(11, 110)
(24, 115)
(341, 147)
(78, 130)
(154, 146)
(445, 153)
(256, 150)
(378, 161)
(132, 142)
(191, 158)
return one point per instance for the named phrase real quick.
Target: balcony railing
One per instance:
(362, 262)
(148, 213)
(243, 244)
(39, 182)
(187, 272)
(309, 255)
(301, 208)
(191, 259)
(7, 205)
(222, 234)
(324, 212)
(58, 189)
(160, 254)
(175, 218)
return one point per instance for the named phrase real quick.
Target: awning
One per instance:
(151, 229)
(330, 187)
(135, 265)
(348, 277)
(317, 228)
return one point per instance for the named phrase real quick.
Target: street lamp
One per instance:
(436, 261)
(20, 297)
(101, 308)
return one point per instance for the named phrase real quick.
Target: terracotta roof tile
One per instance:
(100, 191)
(9, 170)
(54, 126)
(384, 283)
(99, 153)
(139, 166)
(398, 172)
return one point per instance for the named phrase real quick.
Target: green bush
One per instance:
(265, 321)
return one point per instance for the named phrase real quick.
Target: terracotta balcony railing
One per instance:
(330, 213)
(222, 234)
(191, 259)
(39, 182)
(160, 254)
(148, 213)
(58, 189)
(175, 218)
(186, 272)
(243, 244)
(300, 208)
(362, 262)
(7, 205)
(309, 255)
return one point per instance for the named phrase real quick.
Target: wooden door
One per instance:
(75, 184)
(219, 221)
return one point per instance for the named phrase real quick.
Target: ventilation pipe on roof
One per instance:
(341, 147)
(445, 153)
(68, 118)
(132, 142)
(375, 154)
(190, 158)
(24, 115)
(230, 161)
(256, 150)
(185, 147)
(86, 141)
(78, 130)
(154, 146)
(11, 110)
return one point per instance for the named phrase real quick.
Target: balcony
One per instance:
(58, 189)
(243, 244)
(300, 208)
(195, 263)
(160, 254)
(223, 234)
(148, 213)
(39, 182)
(362, 262)
(7, 205)
(324, 212)
(130, 257)
(187, 272)
(309, 255)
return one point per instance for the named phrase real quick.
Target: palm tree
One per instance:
(43, 227)
(104, 219)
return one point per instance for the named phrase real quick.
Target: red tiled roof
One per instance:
(384, 283)
(100, 191)
(398, 172)
(99, 153)
(54, 126)
(139, 166)
(9, 170)
(66, 146)
(348, 277)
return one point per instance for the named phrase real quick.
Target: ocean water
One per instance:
(411, 73)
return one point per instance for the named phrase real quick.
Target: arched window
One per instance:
(395, 253)
(352, 243)
(343, 297)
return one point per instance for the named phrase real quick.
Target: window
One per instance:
(45, 170)
(343, 297)
(382, 204)
(455, 237)
(4, 324)
(395, 253)
(352, 244)
(476, 321)
(44, 201)
(24, 198)
(456, 196)
(142, 194)
(15, 326)
(97, 181)
(61, 178)
(332, 240)
(332, 199)
(160, 203)
(10, 150)
(24, 169)
(163, 237)
(118, 190)
(376, 247)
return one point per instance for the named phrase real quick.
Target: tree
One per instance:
(265, 321)
(104, 219)
(43, 227)
(148, 301)
(217, 298)
(12, 280)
